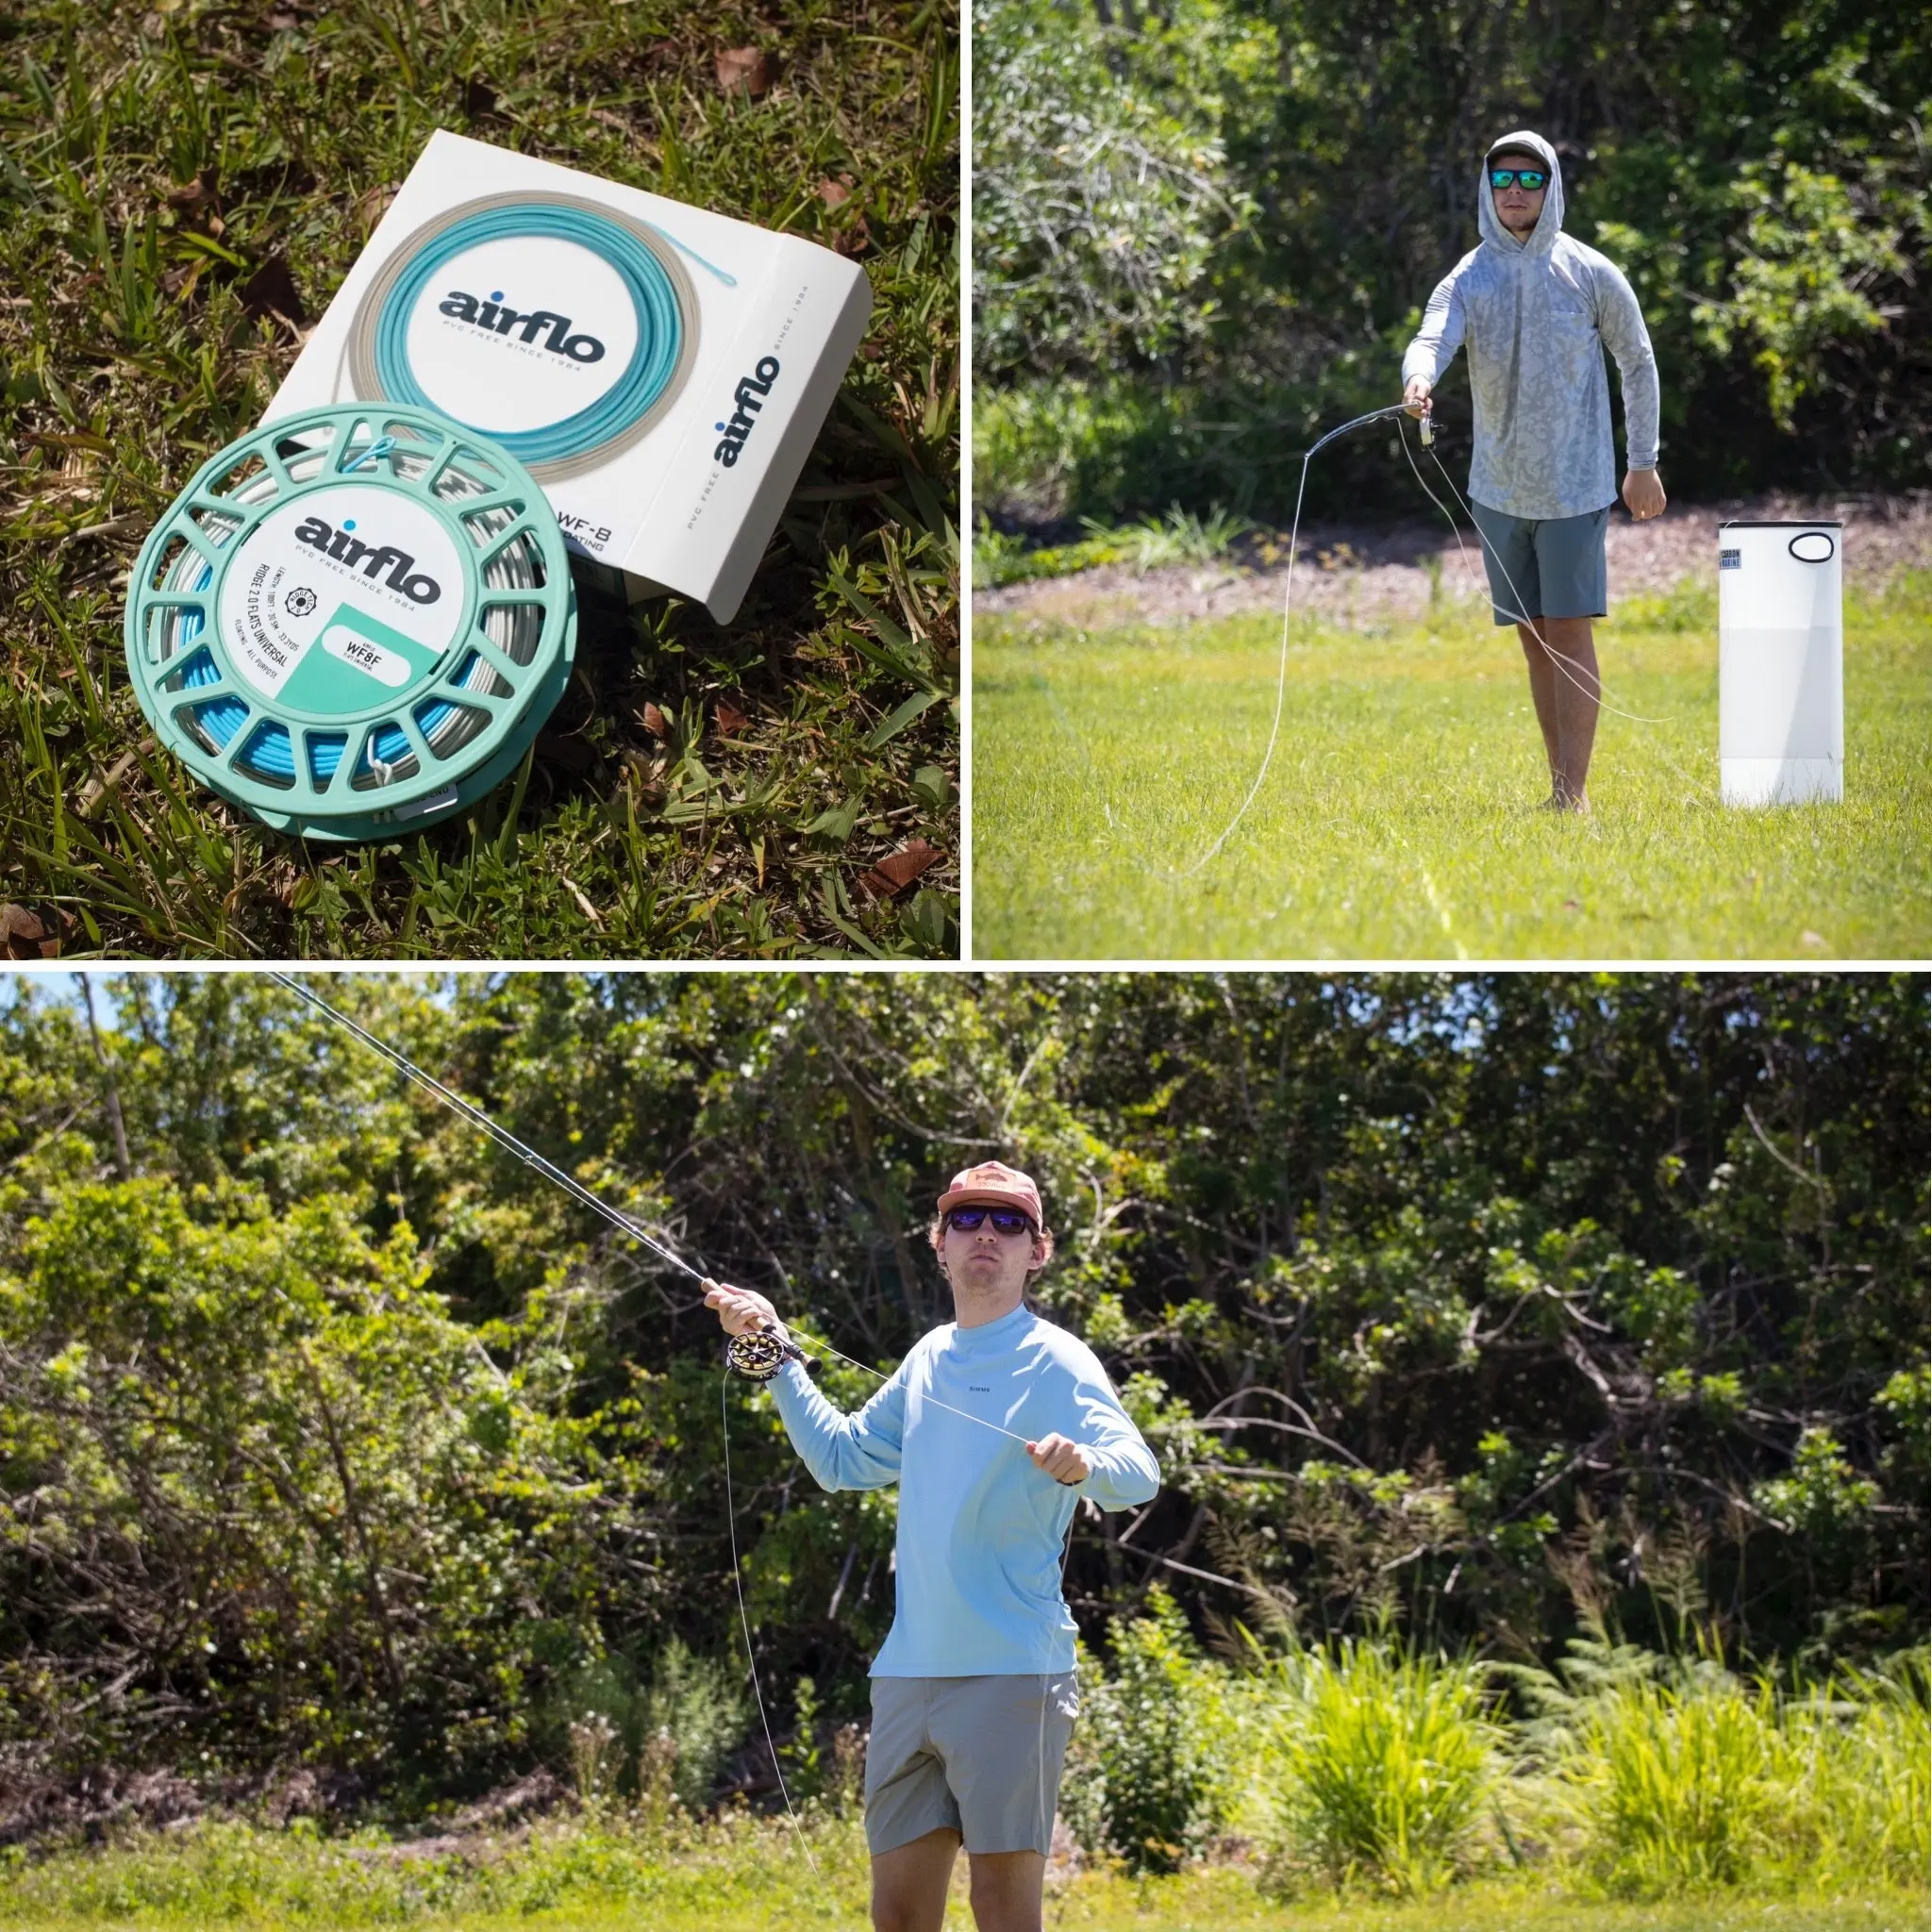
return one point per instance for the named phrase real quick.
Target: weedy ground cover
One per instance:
(1399, 815)
(1369, 1789)
(184, 188)
(1179, 537)
(752, 1878)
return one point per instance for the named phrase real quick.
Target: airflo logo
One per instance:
(750, 398)
(372, 561)
(540, 322)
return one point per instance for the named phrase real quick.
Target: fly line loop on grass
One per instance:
(1395, 410)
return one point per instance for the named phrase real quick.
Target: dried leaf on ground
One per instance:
(25, 937)
(899, 869)
(854, 241)
(749, 67)
(199, 203)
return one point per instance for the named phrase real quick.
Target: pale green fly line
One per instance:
(1397, 412)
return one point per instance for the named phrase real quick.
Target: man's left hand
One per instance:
(1065, 1461)
(1643, 492)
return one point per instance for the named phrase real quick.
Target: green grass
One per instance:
(1397, 820)
(748, 1875)
(700, 791)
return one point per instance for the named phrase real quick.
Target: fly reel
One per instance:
(758, 1354)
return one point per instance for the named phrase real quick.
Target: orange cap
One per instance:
(995, 1185)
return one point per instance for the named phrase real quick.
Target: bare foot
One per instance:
(1558, 800)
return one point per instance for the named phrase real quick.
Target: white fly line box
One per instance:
(660, 370)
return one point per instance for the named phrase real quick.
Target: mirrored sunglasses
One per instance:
(1005, 1219)
(1531, 179)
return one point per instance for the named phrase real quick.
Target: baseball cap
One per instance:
(995, 1185)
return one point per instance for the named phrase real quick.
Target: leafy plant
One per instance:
(1099, 202)
(700, 1704)
(1179, 537)
(1383, 1762)
(1679, 1786)
(1147, 1782)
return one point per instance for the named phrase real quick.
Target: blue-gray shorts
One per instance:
(1556, 566)
(978, 1756)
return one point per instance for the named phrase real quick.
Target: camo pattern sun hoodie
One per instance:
(1536, 317)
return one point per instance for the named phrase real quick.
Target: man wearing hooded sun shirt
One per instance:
(1537, 308)
(974, 1694)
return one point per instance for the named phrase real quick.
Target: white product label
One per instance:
(519, 333)
(365, 571)
(386, 666)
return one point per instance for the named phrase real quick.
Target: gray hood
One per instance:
(1549, 225)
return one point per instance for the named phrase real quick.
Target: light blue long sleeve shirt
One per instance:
(982, 1529)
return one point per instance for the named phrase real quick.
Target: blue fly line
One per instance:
(653, 363)
(525, 623)
(274, 753)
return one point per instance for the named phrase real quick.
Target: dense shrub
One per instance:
(1148, 1778)
(332, 1436)
(1689, 1779)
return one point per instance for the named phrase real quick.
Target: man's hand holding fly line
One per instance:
(1065, 1461)
(973, 1693)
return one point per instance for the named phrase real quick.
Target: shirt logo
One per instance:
(973, 1388)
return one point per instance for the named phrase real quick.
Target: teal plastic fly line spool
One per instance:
(353, 622)
(562, 329)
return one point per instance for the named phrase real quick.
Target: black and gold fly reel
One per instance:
(758, 1354)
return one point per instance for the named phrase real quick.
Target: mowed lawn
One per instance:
(1398, 820)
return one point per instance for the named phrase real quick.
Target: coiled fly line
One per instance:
(560, 328)
(353, 621)
(758, 1354)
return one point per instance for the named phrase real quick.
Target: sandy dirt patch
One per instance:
(1363, 575)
